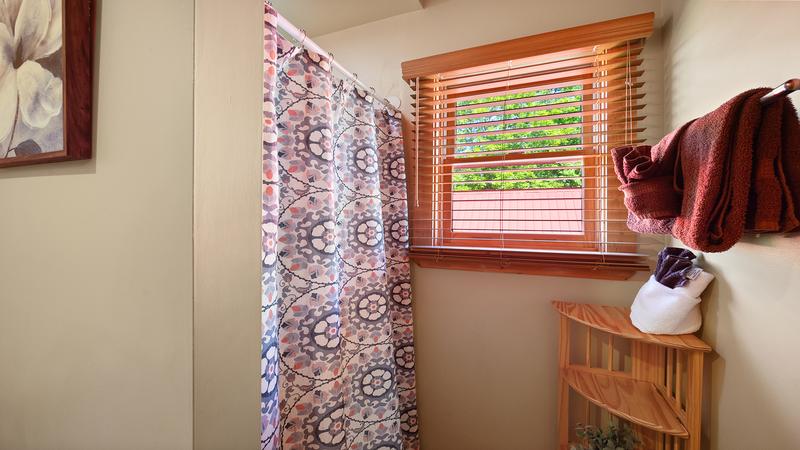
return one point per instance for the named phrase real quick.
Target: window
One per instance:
(509, 152)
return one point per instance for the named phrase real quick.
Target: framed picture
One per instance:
(46, 49)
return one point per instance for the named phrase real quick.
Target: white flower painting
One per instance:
(31, 92)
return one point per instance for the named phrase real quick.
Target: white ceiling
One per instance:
(320, 17)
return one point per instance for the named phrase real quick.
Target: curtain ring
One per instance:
(331, 61)
(303, 40)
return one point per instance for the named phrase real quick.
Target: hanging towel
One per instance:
(651, 183)
(716, 153)
(790, 164)
(735, 168)
(772, 204)
(658, 309)
(647, 182)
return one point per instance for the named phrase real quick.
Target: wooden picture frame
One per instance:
(72, 62)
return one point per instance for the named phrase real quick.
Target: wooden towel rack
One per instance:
(784, 89)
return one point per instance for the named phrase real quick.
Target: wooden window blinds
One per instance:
(509, 152)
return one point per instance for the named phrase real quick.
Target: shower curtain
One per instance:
(337, 342)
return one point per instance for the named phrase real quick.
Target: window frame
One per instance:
(452, 249)
(533, 241)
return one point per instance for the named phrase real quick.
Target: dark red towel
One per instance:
(772, 206)
(764, 210)
(652, 190)
(647, 182)
(790, 163)
(735, 169)
(716, 153)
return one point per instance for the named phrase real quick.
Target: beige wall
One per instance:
(487, 355)
(714, 50)
(486, 343)
(96, 256)
(228, 102)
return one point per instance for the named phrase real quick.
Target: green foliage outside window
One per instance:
(567, 173)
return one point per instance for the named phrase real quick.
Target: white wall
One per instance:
(227, 315)
(486, 342)
(96, 256)
(714, 50)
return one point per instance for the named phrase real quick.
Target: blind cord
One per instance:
(416, 147)
(503, 173)
(628, 94)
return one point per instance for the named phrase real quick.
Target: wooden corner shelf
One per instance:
(657, 386)
(616, 320)
(638, 401)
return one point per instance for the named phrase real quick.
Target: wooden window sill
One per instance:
(573, 265)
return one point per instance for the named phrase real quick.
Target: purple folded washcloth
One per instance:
(673, 266)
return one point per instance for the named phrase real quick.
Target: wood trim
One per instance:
(496, 239)
(560, 264)
(622, 29)
(527, 268)
(77, 56)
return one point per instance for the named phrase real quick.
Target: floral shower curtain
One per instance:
(337, 343)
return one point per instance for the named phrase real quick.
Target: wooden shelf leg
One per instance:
(694, 399)
(563, 387)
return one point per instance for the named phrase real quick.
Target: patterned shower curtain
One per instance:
(337, 342)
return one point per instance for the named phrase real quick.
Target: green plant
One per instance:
(611, 438)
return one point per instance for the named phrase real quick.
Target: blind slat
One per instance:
(512, 77)
(612, 91)
(616, 75)
(587, 56)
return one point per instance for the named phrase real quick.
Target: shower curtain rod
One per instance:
(299, 36)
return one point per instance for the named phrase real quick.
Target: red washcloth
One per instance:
(652, 190)
(647, 180)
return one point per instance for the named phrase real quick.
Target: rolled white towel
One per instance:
(659, 309)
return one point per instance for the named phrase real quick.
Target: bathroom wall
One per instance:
(227, 199)
(486, 342)
(714, 50)
(96, 256)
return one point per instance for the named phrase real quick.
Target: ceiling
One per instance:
(320, 17)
